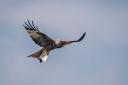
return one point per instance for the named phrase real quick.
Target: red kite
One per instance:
(44, 41)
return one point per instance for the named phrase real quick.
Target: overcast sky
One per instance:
(100, 59)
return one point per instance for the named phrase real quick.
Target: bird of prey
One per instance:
(45, 41)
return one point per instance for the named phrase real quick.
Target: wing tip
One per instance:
(82, 37)
(29, 25)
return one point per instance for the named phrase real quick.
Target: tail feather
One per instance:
(41, 55)
(36, 54)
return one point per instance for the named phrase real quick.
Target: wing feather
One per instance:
(38, 37)
(63, 43)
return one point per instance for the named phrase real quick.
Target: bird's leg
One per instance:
(40, 60)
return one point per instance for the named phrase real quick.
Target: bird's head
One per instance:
(60, 43)
(57, 42)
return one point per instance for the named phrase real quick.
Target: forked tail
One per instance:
(41, 55)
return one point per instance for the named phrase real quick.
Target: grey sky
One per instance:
(100, 59)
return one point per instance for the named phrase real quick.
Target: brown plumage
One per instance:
(45, 42)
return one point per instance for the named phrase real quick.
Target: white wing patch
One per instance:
(44, 56)
(33, 33)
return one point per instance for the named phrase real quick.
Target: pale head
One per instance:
(57, 42)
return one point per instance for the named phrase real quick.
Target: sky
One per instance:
(100, 59)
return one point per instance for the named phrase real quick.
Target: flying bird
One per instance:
(45, 41)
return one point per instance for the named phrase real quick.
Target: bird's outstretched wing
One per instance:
(63, 43)
(38, 37)
(81, 38)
